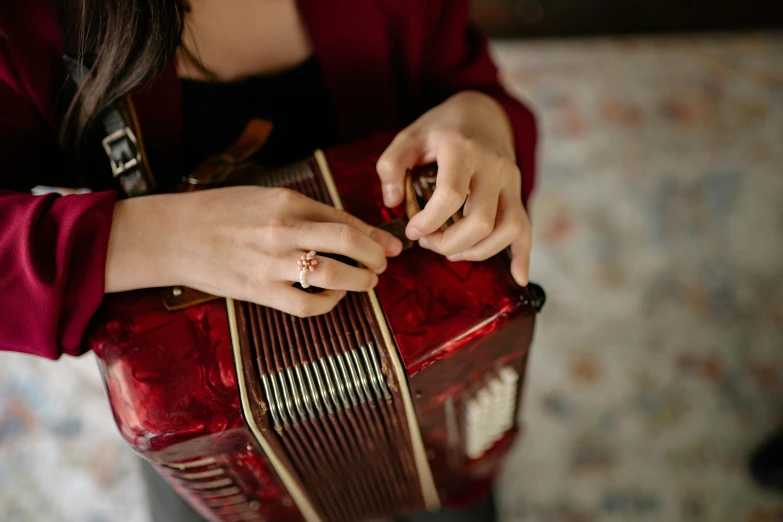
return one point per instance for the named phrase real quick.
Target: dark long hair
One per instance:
(126, 42)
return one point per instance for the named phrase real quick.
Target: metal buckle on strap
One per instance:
(122, 147)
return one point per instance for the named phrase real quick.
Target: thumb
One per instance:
(404, 153)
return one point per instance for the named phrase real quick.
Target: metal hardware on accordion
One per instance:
(324, 387)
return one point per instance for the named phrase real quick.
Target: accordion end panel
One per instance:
(172, 385)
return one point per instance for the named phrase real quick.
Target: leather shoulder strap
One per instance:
(122, 140)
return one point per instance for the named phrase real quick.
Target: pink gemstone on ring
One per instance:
(306, 264)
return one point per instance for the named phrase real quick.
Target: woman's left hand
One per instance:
(471, 139)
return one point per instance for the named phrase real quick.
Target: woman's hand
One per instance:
(471, 139)
(244, 242)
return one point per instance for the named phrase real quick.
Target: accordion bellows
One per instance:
(401, 399)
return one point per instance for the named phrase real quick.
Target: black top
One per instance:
(296, 102)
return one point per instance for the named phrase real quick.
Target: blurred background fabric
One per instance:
(658, 360)
(558, 18)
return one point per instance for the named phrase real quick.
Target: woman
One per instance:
(322, 73)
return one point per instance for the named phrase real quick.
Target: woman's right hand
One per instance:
(244, 243)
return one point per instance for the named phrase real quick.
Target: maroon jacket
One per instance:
(385, 62)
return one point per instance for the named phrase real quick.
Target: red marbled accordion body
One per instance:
(172, 383)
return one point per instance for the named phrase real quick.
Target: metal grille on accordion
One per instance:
(328, 396)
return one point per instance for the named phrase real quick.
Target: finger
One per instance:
(404, 152)
(332, 274)
(481, 208)
(296, 302)
(512, 228)
(520, 260)
(323, 213)
(456, 165)
(342, 239)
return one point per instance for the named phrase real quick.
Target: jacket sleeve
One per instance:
(52, 248)
(453, 56)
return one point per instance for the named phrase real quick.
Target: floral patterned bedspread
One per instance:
(658, 361)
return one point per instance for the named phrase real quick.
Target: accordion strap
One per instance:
(215, 170)
(122, 140)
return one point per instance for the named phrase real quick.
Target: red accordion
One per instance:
(401, 399)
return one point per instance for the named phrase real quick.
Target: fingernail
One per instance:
(520, 279)
(342, 293)
(391, 195)
(424, 242)
(413, 234)
(455, 258)
(391, 244)
(396, 248)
